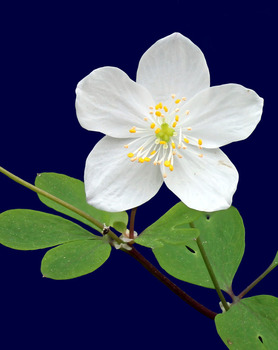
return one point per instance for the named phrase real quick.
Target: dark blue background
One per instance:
(46, 48)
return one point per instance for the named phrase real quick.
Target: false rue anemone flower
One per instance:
(165, 127)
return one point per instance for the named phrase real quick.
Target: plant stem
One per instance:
(173, 287)
(131, 223)
(59, 201)
(210, 271)
(253, 284)
(133, 252)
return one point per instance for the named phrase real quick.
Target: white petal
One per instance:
(223, 114)
(173, 65)
(107, 100)
(114, 183)
(205, 184)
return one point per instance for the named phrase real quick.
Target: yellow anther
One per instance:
(183, 98)
(147, 159)
(158, 113)
(151, 107)
(164, 176)
(157, 130)
(177, 118)
(130, 155)
(173, 145)
(173, 95)
(180, 156)
(158, 106)
(152, 125)
(141, 160)
(152, 153)
(189, 128)
(167, 163)
(165, 109)
(200, 155)
(174, 124)
(162, 142)
(187, 112)
(146, 119)
(125, 146)
(178, 101)
(186, 140)
(132, 130)
(200, 142)
(171, 167)
(151, 112)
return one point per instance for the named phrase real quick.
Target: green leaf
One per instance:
(72, 191)
(75, 259)
(222, 234)
(171, 228)
(252, 323)
(28, 230)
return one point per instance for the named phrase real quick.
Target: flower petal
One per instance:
(205, 184)
(173, 65)
(114, 183)
(223, 114)
(107, 100)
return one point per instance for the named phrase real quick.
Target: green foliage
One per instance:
(75, 259)
(222, 234)
(28, 230)
(252, 323)
(171, 228)
(72, 191)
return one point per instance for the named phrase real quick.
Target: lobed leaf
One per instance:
(252, 323)
(75, 259)
(222, 234)
(29, 229)
(171, 228)
(72, 191)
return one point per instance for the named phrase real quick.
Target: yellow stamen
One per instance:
(125, 146)
(152, 152)
(165, 109)
(158, 113)
(167, 163)
(146, 119)
(177, 101)
(187, 112)
(173, 95)
(200, 155)
(183, 98)
(173, 145)
(141, 160)
(151, 107)
(132, 130)
(162, 142)
(147, 159)
(157, 130)
(174, 124)
(171, 167)
(164, 176)
(177, 118)
(130, 155)
(200, 142)
(189, 128)
(152, 125)
(151, 112)
(158, 106)
(186, 140)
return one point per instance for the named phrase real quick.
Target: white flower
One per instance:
(168, 126)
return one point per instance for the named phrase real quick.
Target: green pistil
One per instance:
(165, 132)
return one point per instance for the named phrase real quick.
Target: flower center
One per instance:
(166, 133)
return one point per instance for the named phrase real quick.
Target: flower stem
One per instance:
(257, 280)
(173, 287)
(131, 223)
(59, 201)
(210, 270)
